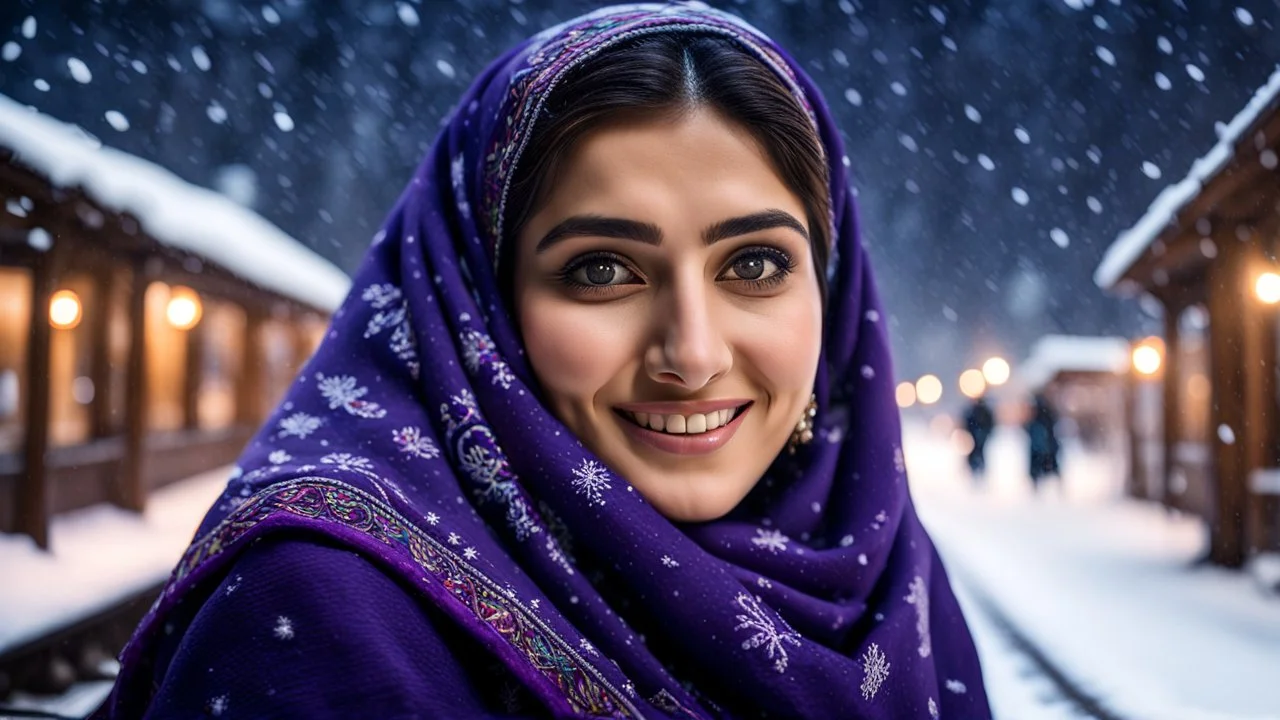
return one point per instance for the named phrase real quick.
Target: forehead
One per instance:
(695, 160)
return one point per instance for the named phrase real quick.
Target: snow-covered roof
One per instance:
(1130, 244)
(1053, 354)
(171, 210)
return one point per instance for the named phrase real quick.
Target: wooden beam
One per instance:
(98, 313)
(1228, 299)
(252, 381)
(1172, 420)
(193, 377)
(129, 492)
(33, 498)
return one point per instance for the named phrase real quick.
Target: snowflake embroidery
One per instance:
(298, 425)
(665, 701)
(351, 463)
(767, 634)
(485, 470)
(846, 541)
(235, 585)
(279, 457)
(217, 706)
(588, 647)
(411, 440)
(557, 554)
(283, 629)
(875, 671)
(919, 597)
(457, 176)
(455, 539)
(470, 553)
(670, 562)
(392, 312)
(933, 709)
(590, 478)
(236, 472)
(342, 392)
(477, 349)
(629, 688)
(899, 462)
(433, 519)
(502, 375)
(772, 540)
(957, 687)
(764, 582)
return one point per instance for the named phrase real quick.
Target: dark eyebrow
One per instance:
(755, 222)
(650, 234)
(598, 226)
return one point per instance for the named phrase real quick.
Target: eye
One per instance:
(598, 271)
(759, 266)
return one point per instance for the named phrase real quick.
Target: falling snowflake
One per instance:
(919, 597)
(875, 671)
(455, 539)
(587, 647)
(342, 392)
(590, 478)
(668, 561)
(470, 553)
(433, 519)
(411, 440)
(957, 687)
(772, 540)
(284, 628)
(351, 463)
(933, 709)
(766, 632)
(298, 425)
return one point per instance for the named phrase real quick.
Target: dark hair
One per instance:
(664, 74)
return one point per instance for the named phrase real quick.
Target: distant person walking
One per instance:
(979, 421)
(1044, 440)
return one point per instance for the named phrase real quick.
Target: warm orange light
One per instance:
(928, 389)
(996, 371)
(1148, 357)
(64, 310)
(972, 384)
(184, 309)
(906, 394)
(1267, 288)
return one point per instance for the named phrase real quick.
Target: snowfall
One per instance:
(1106, 587)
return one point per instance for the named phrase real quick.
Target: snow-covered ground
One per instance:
(98, 557)
(1103, 585)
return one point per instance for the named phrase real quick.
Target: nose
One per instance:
(689, 346)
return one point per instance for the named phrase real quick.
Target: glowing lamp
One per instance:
(996, 371)
(184, 309)
(1147, 357)
(65, 310)
(928, 389)
(1267, 288)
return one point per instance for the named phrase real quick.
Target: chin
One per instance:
(692, 507)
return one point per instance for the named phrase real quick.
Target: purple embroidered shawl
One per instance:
(415, 436)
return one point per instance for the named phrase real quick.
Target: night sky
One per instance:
(999, 147)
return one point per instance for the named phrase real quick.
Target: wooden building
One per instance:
(1206, 251)
(147, 326)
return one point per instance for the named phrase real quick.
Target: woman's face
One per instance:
(670, 308)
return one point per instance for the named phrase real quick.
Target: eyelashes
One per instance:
(752, 269)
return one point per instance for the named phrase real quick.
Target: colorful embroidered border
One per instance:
(328, 500)
(547, 64)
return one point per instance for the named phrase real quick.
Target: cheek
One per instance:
(782, 348)
(575, 349)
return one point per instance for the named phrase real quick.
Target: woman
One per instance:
(605, 428)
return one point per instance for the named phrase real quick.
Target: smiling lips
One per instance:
(684, 428)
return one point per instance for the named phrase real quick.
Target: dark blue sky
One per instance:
(999, 146)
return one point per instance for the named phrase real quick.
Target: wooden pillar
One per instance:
(1172, 417)
(1228, 300)
(1135, 479)
(299, 324)
(193, 377)
(128, 491)
(98, 313)
(252, 380)
(33, 495)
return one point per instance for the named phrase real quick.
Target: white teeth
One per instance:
(692, 424)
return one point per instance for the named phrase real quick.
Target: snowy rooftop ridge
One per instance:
(1130, 244)
(1053, 354)
(171, 210)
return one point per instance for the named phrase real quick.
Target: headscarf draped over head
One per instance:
(416, 436)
